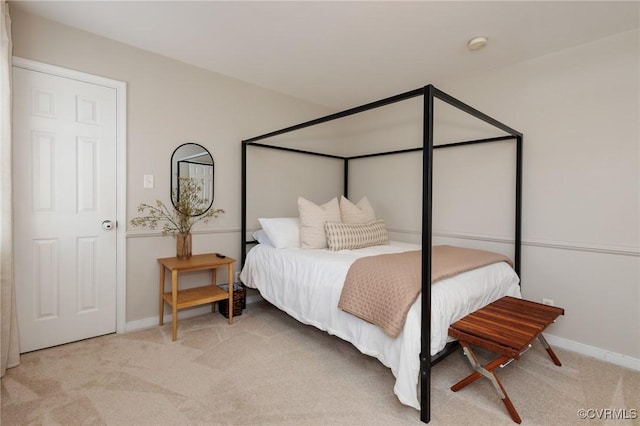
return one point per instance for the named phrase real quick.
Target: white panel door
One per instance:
(64, 188)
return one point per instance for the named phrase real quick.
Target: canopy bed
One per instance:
(399, 353)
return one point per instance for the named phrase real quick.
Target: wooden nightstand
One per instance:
(179, 299)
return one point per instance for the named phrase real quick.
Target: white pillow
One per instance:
(261, 237)
(312, 219)
(283, 232)
(356, 213)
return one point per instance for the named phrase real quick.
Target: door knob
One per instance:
(107, 225)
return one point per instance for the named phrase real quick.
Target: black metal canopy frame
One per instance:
(429, 92)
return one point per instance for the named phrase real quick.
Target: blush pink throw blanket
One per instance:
(381, 289)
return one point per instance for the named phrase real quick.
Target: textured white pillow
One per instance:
(356, 213)
(283, 232)
(348, 236)
(312, 219)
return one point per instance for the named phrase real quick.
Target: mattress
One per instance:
(306, 284)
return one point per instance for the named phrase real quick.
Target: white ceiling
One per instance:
(343, 54)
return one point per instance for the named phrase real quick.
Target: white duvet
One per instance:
(306, 284)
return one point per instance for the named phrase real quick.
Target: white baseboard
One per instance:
(592, 351)
(182, 314)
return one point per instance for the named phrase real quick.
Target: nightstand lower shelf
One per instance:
(197, 296)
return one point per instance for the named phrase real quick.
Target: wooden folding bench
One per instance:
(507, 327)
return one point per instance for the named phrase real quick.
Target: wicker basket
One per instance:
(239, 300)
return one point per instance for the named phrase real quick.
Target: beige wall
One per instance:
(579, 111)
(168, 103)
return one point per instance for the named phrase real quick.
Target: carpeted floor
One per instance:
(269, 369)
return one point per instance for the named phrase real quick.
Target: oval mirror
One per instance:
(192, 167)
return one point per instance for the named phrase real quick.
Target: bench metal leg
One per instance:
(487, 371)
(552, 355)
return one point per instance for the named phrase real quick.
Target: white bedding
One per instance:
(306, 284)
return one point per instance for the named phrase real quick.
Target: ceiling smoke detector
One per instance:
(477, 43)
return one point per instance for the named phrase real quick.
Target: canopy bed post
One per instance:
(518, 232)
(243, 213)
(346, 178)
(427, 182)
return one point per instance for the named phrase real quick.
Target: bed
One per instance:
(293, 278)
(406, 356)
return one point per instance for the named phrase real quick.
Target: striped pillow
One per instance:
(347, 236)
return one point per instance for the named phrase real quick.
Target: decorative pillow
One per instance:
(347, 236)
(356, 213)
(261, 237)
(312, 219)
(283, 232)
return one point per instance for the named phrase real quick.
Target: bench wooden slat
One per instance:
(506, 323)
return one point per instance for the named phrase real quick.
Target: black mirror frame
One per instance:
(175, 173)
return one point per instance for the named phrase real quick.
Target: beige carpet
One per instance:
(269, 369)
